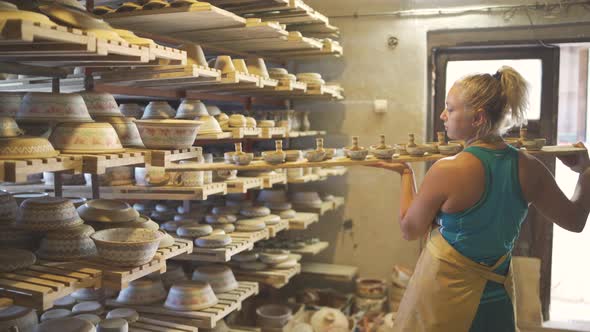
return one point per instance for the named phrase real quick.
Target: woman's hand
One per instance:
(578, 162)
(401, 168)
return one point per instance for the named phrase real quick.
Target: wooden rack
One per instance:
(273, 230)
(243, 184)
(199, 193)
(144, 324)
(164, 158)
(206, 318)
(312, 249)
(275, 278)
(39, 285)
(240, 242)
(334, 272)
(97, 164)
(18, 170)
(325, 207)
(302, 220)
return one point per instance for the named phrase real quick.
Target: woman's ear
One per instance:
(479, 117)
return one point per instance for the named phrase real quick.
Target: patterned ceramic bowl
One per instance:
(8, 207)
(24, 147)
(96, 137)
(131, 110)
(12, 237)
(68, 244)
(168, 134)
(101, 104)
(14, 259)
(126, 130)
(47, 214)
(48, 106)
(127, 246)
(107, 210)
(220, 277)
(190, 296)
(190, 109)
(147, 290)
(158, 110)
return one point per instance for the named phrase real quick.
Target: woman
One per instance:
(478, 199)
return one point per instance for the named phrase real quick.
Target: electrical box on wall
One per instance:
(380, 105)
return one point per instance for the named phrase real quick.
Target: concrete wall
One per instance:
(370, 70)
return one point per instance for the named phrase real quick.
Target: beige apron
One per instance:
(444, 292)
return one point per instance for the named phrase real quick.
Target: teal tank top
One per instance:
(487, 231)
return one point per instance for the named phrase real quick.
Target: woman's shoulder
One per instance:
(461, 164)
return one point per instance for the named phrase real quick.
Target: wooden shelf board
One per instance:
(305, 178)
(243, 184)
(343, 161)
(240, 242)
(244, 132)
(275, 132)
(312, 249)
(98, 163)
(39, 285)
(206, 318)
(169, 76)
(302, 220)
(144, 324)
(332, 271)
(218, 136)
(254, 29)
(325, 207)
(273, 230)
(334, 171)
(338, 202)
(164, 158)
(169, 192)
(18, 170)
(275, 278)
(271, 179)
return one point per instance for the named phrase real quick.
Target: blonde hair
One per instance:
(503, 96)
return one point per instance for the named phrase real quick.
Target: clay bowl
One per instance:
(214, 241)
(315, 155)
(274, 157)
(257, 66)
(131, 110)
(273, 315)
(9, 128)
(220, 277)
(144, 291)
(174, 274)
(190, 109)
(240, 65)
(57, 107)
(382, 153)
(11, 14)
(237, 121)
(276, 195)
(12, 237)
(277, 70)
(10, 103)
(100, 104)
(250, 225)
(21, 318)
(306, 198)
(416, 151)
(68, 244)
(130, 315)
(190, 296)
(158, 110)
(107, 210)
(266, 123)
(213, 110)
(91, 138)
(248, 256)
(360, 154)
(127, 246)
(209, 126)
(25, 147)
(8, 207)
(255, 211)
(224, 64)
(293, 155)
(272, 258)
(450, 149)
(168, 134)
(47, 214)
(126, 130)
(88, 307)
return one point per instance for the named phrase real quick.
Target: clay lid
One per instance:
(70, 324)
(13, 312)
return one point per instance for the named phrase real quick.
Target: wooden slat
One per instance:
(240, 242)
(302, 220)
(275, 278)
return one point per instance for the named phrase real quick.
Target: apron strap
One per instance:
(442, 250)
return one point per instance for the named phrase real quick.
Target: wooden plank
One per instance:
(164, 158)
(97, 164)
(302, 220)
(243, 184)
(241, 242)
(273, 277)
(312, 249)
(18, 170)
(273, 230)
(170, 192)
(334, 271)
(321, 210)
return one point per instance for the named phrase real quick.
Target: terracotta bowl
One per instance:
(190, 296)
(126, 130)
(131, 110)
(168, 134)
(147, 290)
(127, 246)
(58, 107)
(220, 277)
(107, 210)
(101, 104)
(158, 110)
(47, 213)
(68, 244)
(97, 137)
(25, 147)
(190, 109)
(10, 103)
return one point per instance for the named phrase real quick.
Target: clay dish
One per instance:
(88, 307)
(158, 110)
(190, 109)
(127, 246)
(97, 137)
(213, 241)
(167, 240)
(55, 314)
(271, 219)
(47, 213)
(100, 104)
(220, 218)
(107, 210)
(250, 225)
(306, 198)
(280, 71)
(416, 151)
(248, 256)
(144, 291)
(382, 153)
(271, 258)
(113, 325)
(130, 315)
(24, 147)
(450, 149)
(274, 157)
(278, 206)
(253, 266)
(255, 211)
(220, 277)
(431, 147)
(315, 155)
(126, 130)
(193, 230)
(288, 214)
(47, 106)
(190, 296)
(209, 126)
(168, 134)
(272, 195)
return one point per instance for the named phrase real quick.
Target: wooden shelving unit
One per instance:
(243, 184)
(302, 220)
(200, 193)
(273, 230)
(206, 318)
(275, 278)
(97, 164)
(321, 210)
(18, 170)
(240, 242)
(164, 158)
(312, 249)
(337, 273)
(156, 325)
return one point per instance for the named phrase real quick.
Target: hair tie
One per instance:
(497, 76)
